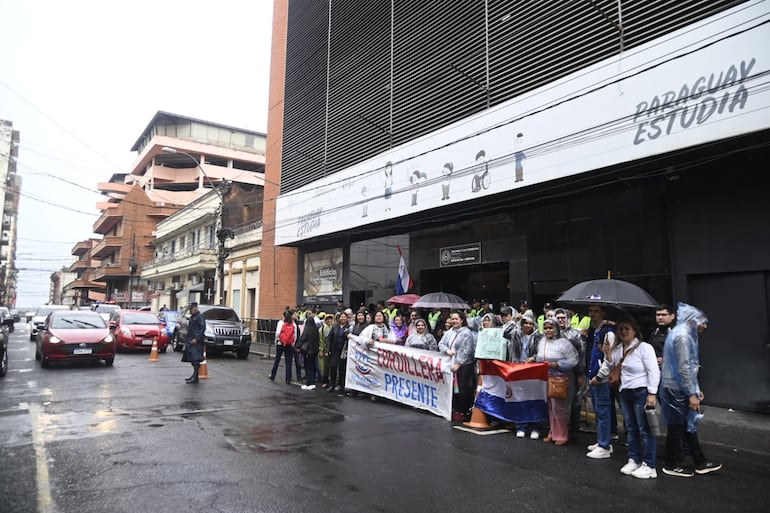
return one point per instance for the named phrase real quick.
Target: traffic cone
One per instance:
(203, 370)
(478, 420)
(154, 351)
(478, 417)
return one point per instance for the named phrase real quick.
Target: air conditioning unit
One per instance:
(176, 285)
(194, 279)
(159, 285)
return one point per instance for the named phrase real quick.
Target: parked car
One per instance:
(39, 318)
(224, 330)
(74, 335)
(105, 310)
(16, 315)
(135, 329)
(3, 351)
(168, 318)
(6, 319)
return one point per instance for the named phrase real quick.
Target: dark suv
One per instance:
(224, 330)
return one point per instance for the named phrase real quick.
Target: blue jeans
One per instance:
(600, 398)
(280, 351)
(637, 431)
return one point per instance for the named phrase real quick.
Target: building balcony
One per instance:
(107, 246)
(198, 258)
(81, 248)
(111, 270)
(108, 220)
(80, 265)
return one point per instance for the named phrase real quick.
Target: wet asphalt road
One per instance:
(85, 438)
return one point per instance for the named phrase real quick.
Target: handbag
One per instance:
(557, 386)
(614, 378)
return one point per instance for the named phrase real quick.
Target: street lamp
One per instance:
(221, 232)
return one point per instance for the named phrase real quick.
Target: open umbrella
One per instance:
(441, 300)
(404, 299)
(617, 294)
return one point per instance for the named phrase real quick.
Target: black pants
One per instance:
(676, 434)
(462, 402)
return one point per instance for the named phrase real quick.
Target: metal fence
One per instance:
(262, 335)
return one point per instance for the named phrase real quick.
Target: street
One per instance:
(86, 438)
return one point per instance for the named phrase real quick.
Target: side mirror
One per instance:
(113, 325)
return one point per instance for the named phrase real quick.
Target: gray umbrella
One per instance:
(609, 293)
(441, 300)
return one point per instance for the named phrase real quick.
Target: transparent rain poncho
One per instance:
(679, 373)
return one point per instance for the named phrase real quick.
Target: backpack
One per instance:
(286, 336)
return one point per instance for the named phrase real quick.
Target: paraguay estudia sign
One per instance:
(702, 83)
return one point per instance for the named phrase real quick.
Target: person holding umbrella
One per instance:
(459, 343)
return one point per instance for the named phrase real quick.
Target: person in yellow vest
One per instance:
(580, 323)
(433, 317)
(390, 310)
(547, 312)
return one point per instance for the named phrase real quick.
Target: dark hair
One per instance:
(665, 306)
(287, 315)
(631, 322)
(463, 317)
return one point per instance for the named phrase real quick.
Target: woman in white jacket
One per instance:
(639, 379)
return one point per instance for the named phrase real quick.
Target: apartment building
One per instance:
(11, 185)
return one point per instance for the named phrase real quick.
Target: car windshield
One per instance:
(77, 321)
(220, 314)
(140, 318)
(169, 316)
(45, 310)
(106, 308)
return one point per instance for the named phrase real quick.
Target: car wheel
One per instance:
(243, 352)
(4, 364)
(44, 363)
(32, 337)
(164, 349)
(109, 361)
(37, 355)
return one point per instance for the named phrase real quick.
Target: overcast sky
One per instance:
(81, 79)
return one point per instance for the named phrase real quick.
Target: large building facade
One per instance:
(513, 149)
(10, 184)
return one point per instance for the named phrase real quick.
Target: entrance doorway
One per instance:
(483, 282)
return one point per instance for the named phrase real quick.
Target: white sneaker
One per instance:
(520, 434)
(644, 472)
(599, 453)
(308, 387)
(594, 446)
(630, 467)
(534, 435)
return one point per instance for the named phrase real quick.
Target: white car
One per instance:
(105, 310)
(38, 319)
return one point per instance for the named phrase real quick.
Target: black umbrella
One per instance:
(617, 294)
(441, 300)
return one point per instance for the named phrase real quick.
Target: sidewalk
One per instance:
(744, 431)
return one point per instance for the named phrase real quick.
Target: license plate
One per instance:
(81, 351)
(146, 342)
(228, 342)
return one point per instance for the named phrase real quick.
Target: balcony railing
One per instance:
(202, 248)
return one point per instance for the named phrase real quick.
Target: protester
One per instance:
(606, 418)
(680, 393)
(286, 336)
(523, 340)
(398, 330)
(324, 355)
(562, 357)
(422, 338)
(337, 344)
(665, 319)
(639, 378)
(310, 342)
(458, 343)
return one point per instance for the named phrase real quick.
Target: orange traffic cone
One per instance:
(203, 370)
(154, 351)
(478, 417)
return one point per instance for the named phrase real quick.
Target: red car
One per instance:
(136, 330)
(74, 335)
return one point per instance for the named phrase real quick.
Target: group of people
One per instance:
(587, 356)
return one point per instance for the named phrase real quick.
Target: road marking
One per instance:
(44, 501)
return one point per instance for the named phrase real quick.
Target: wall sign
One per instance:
(466, 254)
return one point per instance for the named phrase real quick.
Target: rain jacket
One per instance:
(680, 352)
(462, 341)
(195, 330)
(520, 345)
(557, 349)
(679, 370)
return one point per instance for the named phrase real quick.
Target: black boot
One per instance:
(194, 378)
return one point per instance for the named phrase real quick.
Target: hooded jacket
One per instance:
(520, 345)
(680, 352)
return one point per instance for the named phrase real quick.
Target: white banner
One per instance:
(422, 379)
(704, 82)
